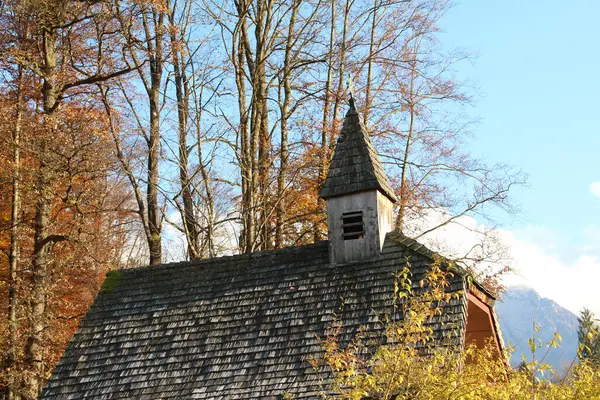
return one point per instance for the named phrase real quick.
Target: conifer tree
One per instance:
(589, 340)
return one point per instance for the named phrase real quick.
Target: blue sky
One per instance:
(538, 73)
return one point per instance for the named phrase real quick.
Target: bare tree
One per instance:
(147, 57)
(178, 29)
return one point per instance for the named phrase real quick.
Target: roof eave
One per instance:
(390, 196)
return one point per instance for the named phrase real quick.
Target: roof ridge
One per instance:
(228, 258)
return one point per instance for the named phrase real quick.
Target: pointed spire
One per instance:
(355, 166)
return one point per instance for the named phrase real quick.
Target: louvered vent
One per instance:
(353, 226)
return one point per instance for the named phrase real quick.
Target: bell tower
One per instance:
(358, 194)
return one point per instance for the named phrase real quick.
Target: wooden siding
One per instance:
(377, 218)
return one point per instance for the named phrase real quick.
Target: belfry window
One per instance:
(352, 225)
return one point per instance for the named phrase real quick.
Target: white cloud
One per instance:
(592, 240)
(572, 284)
(542, 258)
(595, 189)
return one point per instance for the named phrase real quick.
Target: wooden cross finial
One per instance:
(351, 91)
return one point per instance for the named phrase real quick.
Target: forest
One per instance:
(140, 132)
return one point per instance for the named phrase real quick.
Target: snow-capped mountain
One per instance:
(517, 310)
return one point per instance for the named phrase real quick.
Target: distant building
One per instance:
(242, 327)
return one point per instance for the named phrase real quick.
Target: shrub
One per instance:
(406, 361)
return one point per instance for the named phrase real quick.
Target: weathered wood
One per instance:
(234, 327)
(377, 221)
(385, 215)
(356, 182)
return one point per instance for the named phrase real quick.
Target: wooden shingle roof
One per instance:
(235, 327)
(355, 166)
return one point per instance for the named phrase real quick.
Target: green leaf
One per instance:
(532, 345)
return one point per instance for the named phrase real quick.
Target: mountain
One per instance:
(518, 308)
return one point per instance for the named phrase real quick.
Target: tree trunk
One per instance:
(15, 221)
(34, 344)
(327, 141)
(261, 120)
(246, 148)
(154, 243)
(340, 88)
(285, 104)
(404, 198)
(325, 126)
(368, 99)
(256, 155)
(210, 202)
(155, 53)
(182, 97)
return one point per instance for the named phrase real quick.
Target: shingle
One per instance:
(234, 327)
(355, 166)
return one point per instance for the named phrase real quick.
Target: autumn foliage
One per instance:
(407, 362)
(84, 216)
(61, 197)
